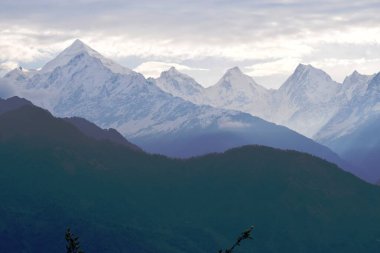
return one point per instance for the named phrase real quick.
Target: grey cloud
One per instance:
(207, 20)
(223, 23)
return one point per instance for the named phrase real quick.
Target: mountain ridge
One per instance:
(78, 48)
(97, 133)
(313, 104)
(146, 115)
(87, 128)
(118, 199)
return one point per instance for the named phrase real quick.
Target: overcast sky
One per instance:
(266, 39)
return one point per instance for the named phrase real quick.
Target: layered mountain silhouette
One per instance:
(41, 116)
(119, 199)
(309, 102)
(93, 131)
(361, 148)
(352, 132)
(304, 103)
(80, 82)
(174, 115)
(12, 103)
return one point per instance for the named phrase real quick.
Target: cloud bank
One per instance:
(261, 36)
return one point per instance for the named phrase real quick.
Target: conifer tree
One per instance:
(72, 243)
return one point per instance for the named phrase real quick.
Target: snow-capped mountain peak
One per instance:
(19, 74)
(304, 73)
(305, 67)
(354, 77)
(78, 49)
(311, 81)
(355, 84)
(235, 79)
(18, 70)
(79, 72)
(307, 100)
(232, 74)
(238, 91)
(75, 49)
(234, 71)
(180, 85)
(374, 84)
(355, 73)
(361, 108)
(6, 67)
(172, 71)
(78, 46)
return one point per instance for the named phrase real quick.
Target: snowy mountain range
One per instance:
(353, 131)
(181, 85)
(306, 101)
(361, 148)
(80, 82)
(362, 94)
(235, 91)
(309, 102)
(238, 91)
(176, 116)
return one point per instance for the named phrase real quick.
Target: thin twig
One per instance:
(244, 236)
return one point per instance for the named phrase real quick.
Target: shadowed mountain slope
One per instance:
(121, 200)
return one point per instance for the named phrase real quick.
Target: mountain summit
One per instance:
(235, 79)
(235, 71)
(307, 79)
(181, 85)
(238, 91)
(77, 50)
(306, 101)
